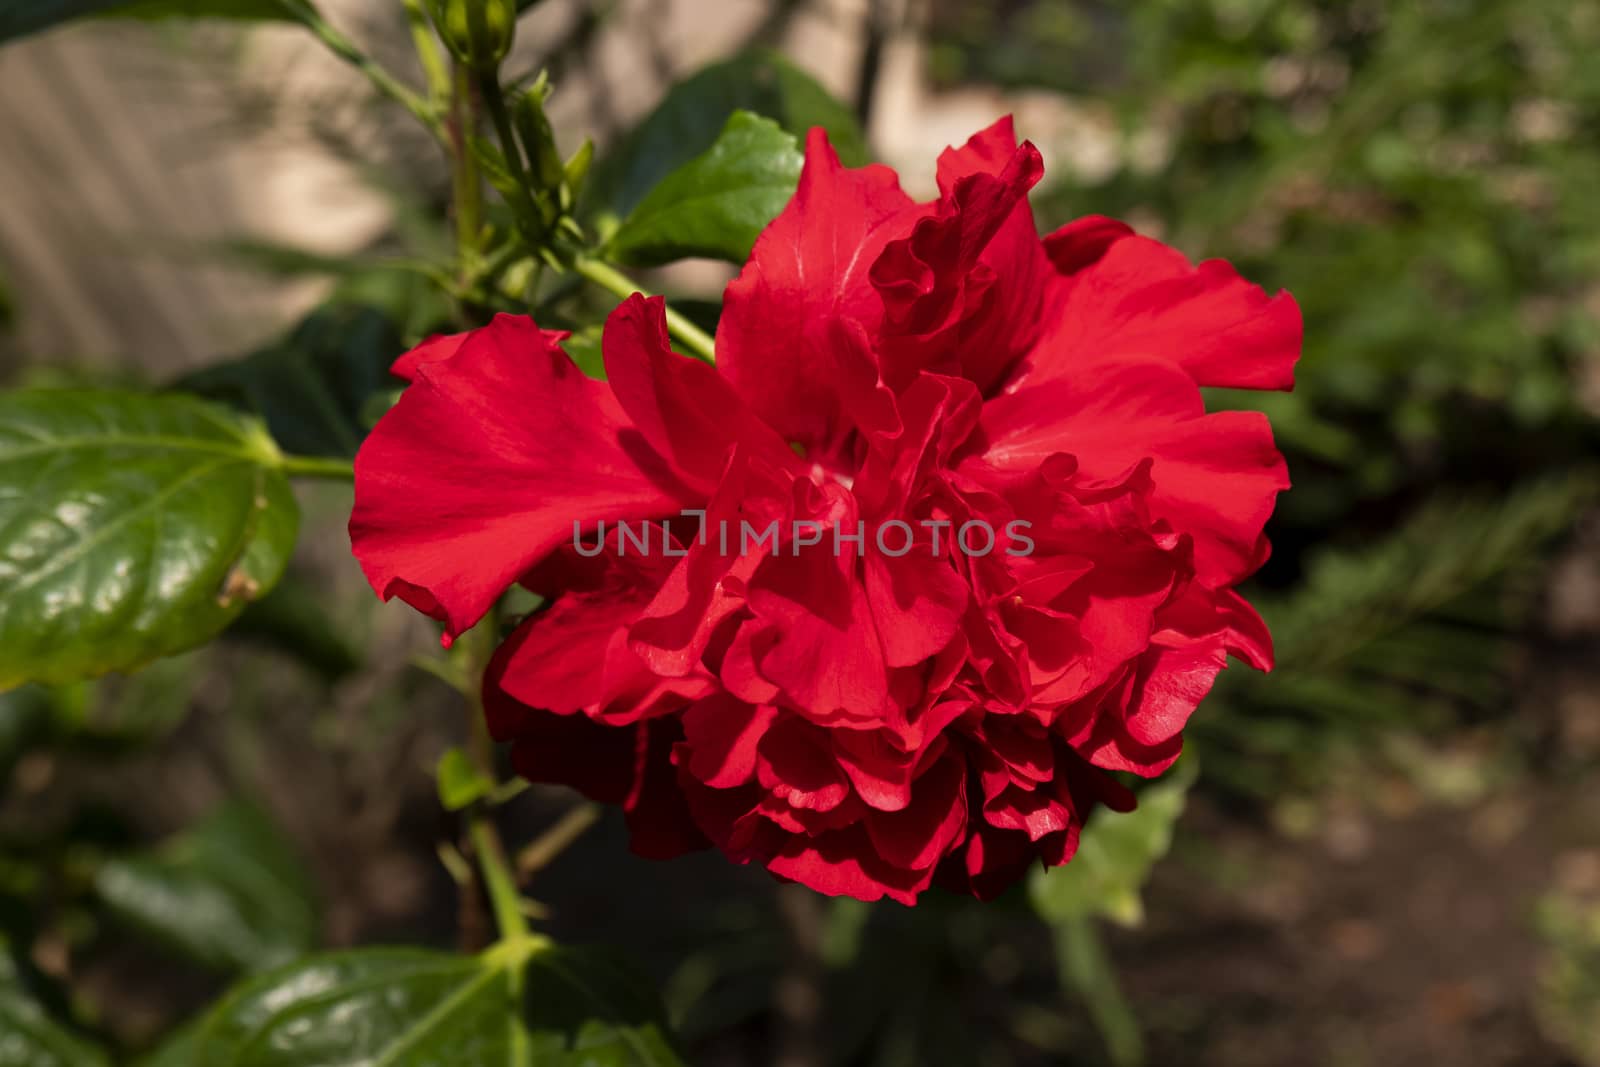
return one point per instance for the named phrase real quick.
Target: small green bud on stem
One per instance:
(477, 32)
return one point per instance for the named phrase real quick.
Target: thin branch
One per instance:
(346, 49)
(686, 333)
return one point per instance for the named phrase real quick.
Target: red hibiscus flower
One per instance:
(1004, 532)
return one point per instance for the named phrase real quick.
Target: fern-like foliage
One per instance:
(1404, 632)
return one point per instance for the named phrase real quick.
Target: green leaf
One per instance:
(521, 1003)
(719, 202)
(229, 892)
(131, 527)
(175, 1050)
(694, 112)
(1114, 857)
(312, 387)
(21, 17)
(28, 1036)
(460, 783)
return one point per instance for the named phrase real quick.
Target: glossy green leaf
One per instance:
(693, 114)
(131, 527)
(459, 782)
(719, 202)
(312, 387)
(522, 1003)
(229, 892)
(21, 17)
(1115, 855)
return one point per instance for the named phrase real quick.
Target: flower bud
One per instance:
(577, 168)
(477, 32)
(533, 127)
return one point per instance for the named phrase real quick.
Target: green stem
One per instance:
(346, 49)
(495, 103)
(1087, 971)
(497, 879)
(342, 470)
(467, 186)
(690, 336)
(477, 645)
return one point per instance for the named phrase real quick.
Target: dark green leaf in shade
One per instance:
(522, 1003)
(131, 527)
(694, 112)
(312, 387)
(29, 1037)
(719, 202)
(105, 716)
(21, 17)
(229, 893)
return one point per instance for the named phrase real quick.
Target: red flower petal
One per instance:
(1083, 241)
(794, 764)
(917, 836)
(995, 336)
(939, 283)
(574, 655)
(843, 863)
(721, 735)
(660, 823)
(1139, 299)
(823, 650)
(440, 346)
(1215, 477)
(570, 750)
(682, 407)
(443, 346)
(483, 467)
(809, 268)
(861, 722)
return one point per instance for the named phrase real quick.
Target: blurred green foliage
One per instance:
(1568, 992)
(1420, 175)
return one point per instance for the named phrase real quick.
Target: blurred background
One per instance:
(1391, 850)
